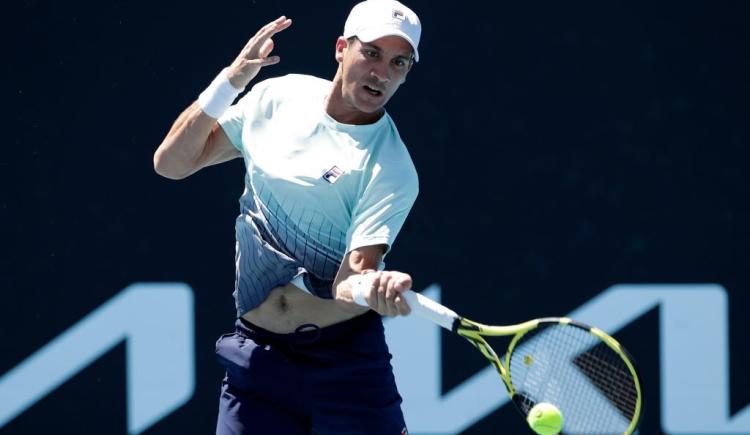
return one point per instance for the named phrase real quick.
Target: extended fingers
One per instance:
(256, 53)
(265, 49)
(275, 26)
(269, 30)
(264, 62)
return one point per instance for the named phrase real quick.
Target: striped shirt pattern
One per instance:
(314, 188)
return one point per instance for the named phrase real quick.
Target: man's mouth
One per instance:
(372, 91)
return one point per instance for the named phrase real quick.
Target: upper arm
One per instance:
(218, 149)
(229, 135)
(188, 148)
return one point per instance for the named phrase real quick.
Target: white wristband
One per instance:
(218, 96)
(360, 285)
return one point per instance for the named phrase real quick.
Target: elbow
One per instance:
(163, 167)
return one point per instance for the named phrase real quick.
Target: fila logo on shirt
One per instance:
(333, 174)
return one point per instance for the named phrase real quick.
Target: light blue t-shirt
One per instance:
(315, 189)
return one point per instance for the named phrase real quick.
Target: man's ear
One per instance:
(341, 46)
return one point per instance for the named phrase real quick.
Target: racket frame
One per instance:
(475, 332)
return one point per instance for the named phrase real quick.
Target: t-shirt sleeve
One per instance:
(247, 109)
(383, 208)
(231, 122)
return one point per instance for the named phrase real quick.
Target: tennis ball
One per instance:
(545, 419)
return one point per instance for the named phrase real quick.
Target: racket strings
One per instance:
(486, 350)
(610, 374)
(574, 370)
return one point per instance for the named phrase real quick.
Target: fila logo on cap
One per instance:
(373, 19)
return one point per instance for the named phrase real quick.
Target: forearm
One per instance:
(353, 266)
(345, 289)
(179, 153)
(380, 289)
(194, 141)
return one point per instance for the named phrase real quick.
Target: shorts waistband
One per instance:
(308, 333)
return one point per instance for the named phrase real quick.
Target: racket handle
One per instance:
(422, 305)
(430, 310)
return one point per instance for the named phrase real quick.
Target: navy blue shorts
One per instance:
(328, 381)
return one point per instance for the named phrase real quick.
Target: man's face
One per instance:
(372, 71)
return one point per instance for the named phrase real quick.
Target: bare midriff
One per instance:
(287, 308)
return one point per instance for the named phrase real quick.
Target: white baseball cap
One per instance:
(373, 19)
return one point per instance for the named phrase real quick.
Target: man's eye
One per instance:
(371, 53)
(399, 62)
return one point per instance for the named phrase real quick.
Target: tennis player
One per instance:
(328, 186)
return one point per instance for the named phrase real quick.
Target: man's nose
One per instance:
(381, 72)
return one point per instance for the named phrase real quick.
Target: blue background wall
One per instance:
(562, 148)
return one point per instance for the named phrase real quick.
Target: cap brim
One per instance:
(372, 35)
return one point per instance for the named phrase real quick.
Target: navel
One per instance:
(283, 304)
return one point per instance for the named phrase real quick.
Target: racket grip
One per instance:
(430, 310)
(419, 304)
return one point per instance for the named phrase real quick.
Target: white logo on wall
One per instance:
(693, 318)
(133, 315)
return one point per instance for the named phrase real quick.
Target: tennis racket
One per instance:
(578, 368)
